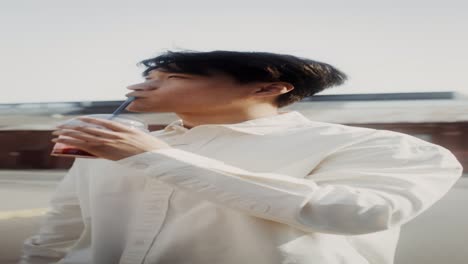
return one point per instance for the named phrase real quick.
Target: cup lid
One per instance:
(124, 119)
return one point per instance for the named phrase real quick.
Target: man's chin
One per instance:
(139, 110)
(134, 107)
(142, 110)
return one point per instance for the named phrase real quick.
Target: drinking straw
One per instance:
(122, 107)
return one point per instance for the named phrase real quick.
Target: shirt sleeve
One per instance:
(61, 226)
(373, 185)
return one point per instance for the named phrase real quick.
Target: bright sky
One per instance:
(56, 50)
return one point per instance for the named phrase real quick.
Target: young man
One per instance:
(235, 180)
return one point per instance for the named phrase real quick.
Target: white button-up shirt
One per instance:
(278, 189)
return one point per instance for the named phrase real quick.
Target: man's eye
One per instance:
(174, 76)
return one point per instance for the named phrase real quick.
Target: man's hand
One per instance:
(121, 142)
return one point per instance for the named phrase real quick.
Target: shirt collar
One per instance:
(259, 126)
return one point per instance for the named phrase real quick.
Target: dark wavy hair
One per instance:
(307, 76)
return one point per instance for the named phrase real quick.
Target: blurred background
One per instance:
(406, 61)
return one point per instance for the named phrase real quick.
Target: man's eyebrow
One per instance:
(147, 77)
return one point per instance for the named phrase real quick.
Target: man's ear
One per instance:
(273, 89)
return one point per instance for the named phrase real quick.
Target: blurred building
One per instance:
(438, 117)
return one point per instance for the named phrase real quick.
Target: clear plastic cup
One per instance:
(64, 150)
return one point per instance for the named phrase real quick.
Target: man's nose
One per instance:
(138, 86)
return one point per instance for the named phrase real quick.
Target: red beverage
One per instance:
(68, 151)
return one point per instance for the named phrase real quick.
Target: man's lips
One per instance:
(140, 93)
(135, 95)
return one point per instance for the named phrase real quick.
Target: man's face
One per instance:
(187, 93)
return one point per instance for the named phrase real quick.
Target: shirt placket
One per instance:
(152, 215)
(155, 205)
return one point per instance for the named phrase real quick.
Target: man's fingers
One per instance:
(98, 132)
(71, 142)
(83, 137)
